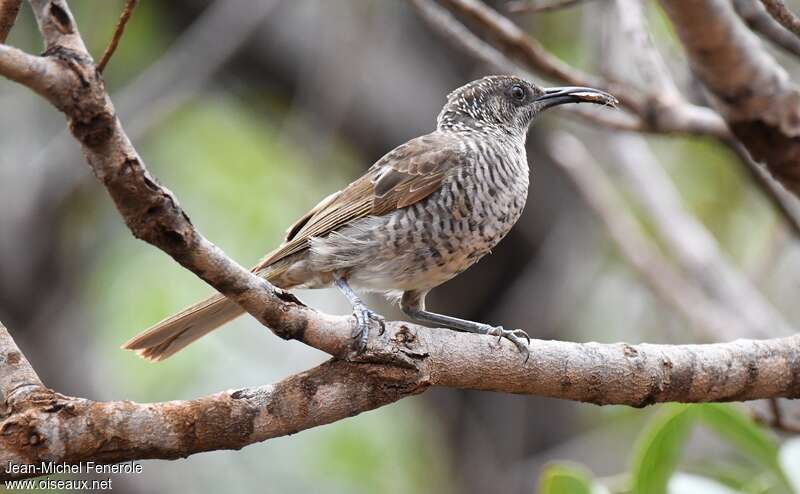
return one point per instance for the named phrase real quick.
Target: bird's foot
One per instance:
(515, 336)
(364, 316)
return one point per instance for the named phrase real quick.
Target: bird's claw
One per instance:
(514, 336)
(363, 317)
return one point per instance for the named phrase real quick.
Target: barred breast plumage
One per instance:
(424, 245)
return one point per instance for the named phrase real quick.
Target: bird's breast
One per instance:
(426, 244)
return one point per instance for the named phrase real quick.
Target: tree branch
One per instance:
(694, 248)
(127, 11)
(71, 430)
(526, 6)
(64, 429)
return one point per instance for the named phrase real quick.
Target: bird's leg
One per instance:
(413, 305)
(362, 314)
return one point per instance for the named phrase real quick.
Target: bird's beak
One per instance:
(555, 96)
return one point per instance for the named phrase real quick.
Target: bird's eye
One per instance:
(518, 93)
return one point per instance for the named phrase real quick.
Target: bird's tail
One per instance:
(176, 332)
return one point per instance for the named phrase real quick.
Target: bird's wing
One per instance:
(404, 176)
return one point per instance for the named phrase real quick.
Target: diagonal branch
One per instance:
(517, 44)
(694, 247)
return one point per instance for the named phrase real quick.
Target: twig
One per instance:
(127, 11)
(758, 19)
(781, 13)
(528, 6)
(8, 15)
(775, 418)
(516, 43)
(457, 34)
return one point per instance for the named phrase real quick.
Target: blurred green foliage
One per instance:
(757, 463)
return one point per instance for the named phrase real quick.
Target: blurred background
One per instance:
(253, 110)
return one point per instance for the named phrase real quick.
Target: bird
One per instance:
(423, 213)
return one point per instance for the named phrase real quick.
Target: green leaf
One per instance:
(741, 431)
(563, 478)
(659, 447)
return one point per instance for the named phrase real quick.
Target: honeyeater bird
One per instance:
(422, 214)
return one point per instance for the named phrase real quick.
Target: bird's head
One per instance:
(508, 104)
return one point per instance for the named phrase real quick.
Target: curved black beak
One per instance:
(555, 96)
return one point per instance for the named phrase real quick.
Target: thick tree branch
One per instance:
(753, 92)
(71, 430)
(406, 359)
(64, 429)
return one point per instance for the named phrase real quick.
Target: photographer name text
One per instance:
(49, 468)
